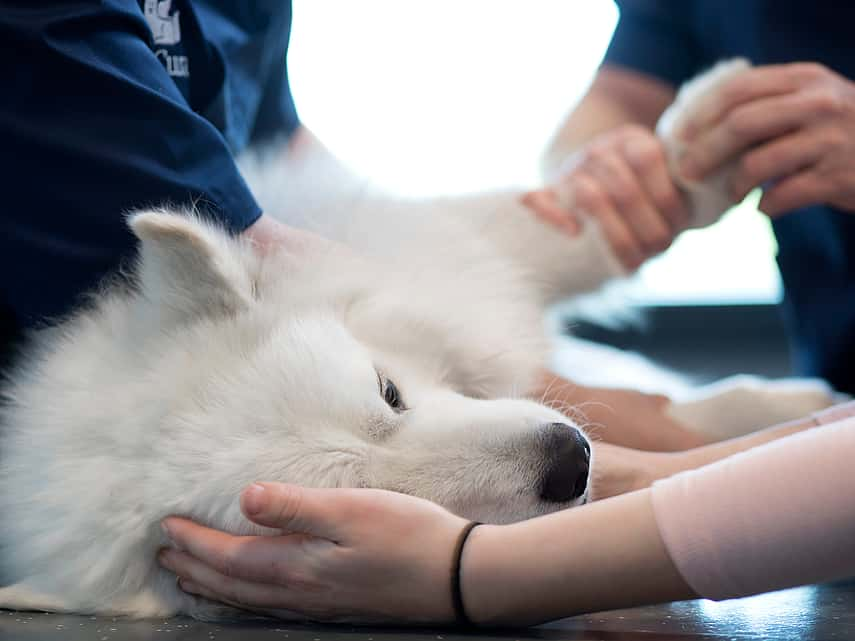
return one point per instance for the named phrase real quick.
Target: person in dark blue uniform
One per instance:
(113, 105)
(790, 123)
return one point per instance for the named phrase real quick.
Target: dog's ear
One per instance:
(188, 268)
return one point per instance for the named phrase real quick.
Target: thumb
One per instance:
(291, 508)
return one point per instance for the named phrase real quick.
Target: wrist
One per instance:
(484, 598)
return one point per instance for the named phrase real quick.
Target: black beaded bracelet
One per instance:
(456, 593)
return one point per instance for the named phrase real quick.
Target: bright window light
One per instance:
(429, 97)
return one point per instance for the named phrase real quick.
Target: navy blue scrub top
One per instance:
(673, 40)
(112, 105)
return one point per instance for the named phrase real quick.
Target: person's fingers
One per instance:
(646, 156)
(589, 198)
(798, 190)
(257, 558)
(545, 205)
(747, 125)
(781, 157)
(196, 576)
(758, 82)
(293, 508)
(650, 229)
(198, 589)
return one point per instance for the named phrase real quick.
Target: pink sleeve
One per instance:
(834, 414)
(777, 516)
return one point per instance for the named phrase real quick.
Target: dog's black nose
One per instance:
(568, 456)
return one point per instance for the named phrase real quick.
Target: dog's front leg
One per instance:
(558, 265)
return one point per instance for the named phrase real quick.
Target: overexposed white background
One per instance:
(430, 97)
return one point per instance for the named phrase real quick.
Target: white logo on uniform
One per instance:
(166, 30)
(164, 27)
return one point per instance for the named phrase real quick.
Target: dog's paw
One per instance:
(710, 197)
(742, 404)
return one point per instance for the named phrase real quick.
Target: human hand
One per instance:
(618, 470)
(624, 417)
(790, 127)
(621, 180)
(638, 420)
(366, 556)
(268, 234)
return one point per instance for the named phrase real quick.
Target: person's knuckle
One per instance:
(808, 70)
(623, 192)
(645, 153)
(228, 561)
(734, 92)
(631, 130)
(288, 503)
(739, 124)
(748, 167)
(831, 139)
(588, 194)
(597, 155)
(826, 102)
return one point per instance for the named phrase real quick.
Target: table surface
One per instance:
(825, 612)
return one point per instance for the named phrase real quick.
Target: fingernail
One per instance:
(187, 586)
(254, 498)
(169, 538)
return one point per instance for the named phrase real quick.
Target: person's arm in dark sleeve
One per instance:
(651, 53)
(656, 38)
(93, 127)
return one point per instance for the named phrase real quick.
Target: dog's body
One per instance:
(402, 366)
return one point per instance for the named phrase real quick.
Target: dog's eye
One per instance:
(392, 396)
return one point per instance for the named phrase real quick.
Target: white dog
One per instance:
(403, 366)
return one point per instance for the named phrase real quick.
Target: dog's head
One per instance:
(324, 370)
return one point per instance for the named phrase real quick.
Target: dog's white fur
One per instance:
(711, 196)
(220, 366)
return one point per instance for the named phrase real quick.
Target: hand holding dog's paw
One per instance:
(343, 555)
(620, 180)
(788, 127)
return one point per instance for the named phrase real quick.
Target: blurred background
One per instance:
(444, 97)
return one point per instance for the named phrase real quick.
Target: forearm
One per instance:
(697, 534)
(570, 562)
(618, 470)
(616, 97)
(697, 457)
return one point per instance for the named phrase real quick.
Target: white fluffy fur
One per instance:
(709, 198)
(220, 367)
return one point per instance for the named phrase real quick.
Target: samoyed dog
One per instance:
(398, 357)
